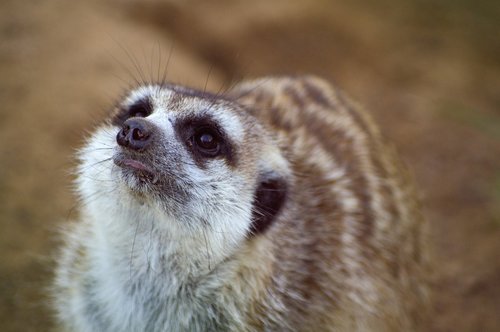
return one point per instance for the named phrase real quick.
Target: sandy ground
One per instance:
(429, 72)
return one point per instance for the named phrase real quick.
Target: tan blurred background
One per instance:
(429, 71)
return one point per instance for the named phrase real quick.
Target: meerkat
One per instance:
(275, 206)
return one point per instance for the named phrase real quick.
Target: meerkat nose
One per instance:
(135, 134)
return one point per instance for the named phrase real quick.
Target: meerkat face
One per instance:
(196, 160)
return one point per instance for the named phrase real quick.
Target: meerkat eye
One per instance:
(207, 142)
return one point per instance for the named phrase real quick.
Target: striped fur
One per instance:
(359, 240)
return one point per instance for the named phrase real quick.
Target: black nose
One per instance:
(136, 134)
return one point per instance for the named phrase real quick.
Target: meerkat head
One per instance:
(194, 164)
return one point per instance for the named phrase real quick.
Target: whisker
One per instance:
(132, 249)
(133, 59)
(101, 149)
(158, 68)
(148, 251)
(87, 167)
(89, 199)
(206, 81)
(204, 221)
(127, 68)
(165, 69)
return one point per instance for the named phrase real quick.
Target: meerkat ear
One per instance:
(269, 198)
(270, 194)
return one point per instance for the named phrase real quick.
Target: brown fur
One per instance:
(379, 285)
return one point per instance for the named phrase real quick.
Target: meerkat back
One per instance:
(274, 207)
(356, 250)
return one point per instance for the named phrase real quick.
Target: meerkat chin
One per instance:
(273, 207)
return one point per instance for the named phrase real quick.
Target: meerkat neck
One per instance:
(148, 244)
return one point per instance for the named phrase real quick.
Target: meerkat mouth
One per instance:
(137, 168)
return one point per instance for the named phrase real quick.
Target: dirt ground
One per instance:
(429, 71)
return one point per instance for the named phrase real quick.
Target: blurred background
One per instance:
(428, 71)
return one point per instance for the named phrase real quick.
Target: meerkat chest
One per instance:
(152, 302)
(147, 294)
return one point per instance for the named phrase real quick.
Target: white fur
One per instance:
(134, 242)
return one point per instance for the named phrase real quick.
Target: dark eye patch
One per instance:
(140, 108)
(205, 139)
